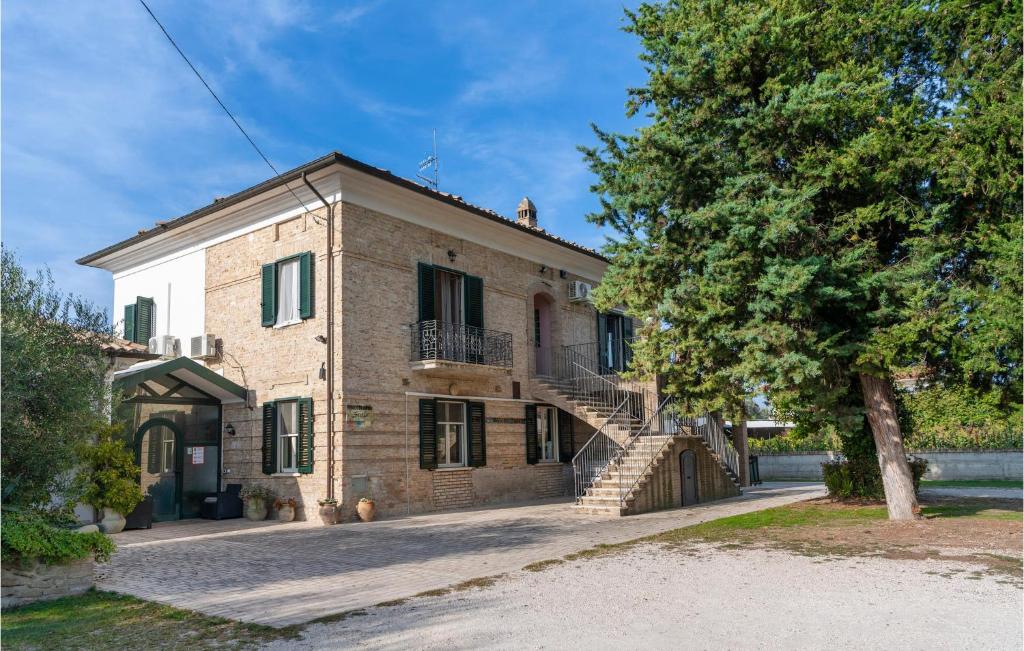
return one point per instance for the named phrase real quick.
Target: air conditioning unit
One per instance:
(579, 291)
(165, 346)
(203, 346)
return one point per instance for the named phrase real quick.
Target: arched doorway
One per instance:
(688, 477)
(157, 451)
(542, 343)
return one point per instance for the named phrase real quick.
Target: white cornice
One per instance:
(336, 183)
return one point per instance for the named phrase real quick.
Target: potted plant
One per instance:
(328, 510)
(110, 479)
(257, 499)
(367, 509)
(285, 509)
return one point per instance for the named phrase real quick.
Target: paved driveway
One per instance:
(293, 573)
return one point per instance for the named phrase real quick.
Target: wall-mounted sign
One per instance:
(359, 416)
(506, 421)
(197, 455)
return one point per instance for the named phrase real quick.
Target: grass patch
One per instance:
(540, 566)
(105, 620)
(970, 483)
(480, 582)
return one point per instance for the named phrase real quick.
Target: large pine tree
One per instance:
(822, 194)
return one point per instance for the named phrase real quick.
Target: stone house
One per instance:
(445, 363)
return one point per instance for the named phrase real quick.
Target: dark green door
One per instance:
(158, 452)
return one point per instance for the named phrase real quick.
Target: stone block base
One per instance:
(30, 581)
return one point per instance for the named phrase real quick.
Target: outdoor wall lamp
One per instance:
(322, 339)
(451, 255)
(543, 268)
(230, 429)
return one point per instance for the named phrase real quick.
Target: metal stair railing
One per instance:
(713, 433)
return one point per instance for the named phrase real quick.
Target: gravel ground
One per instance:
(703, 598)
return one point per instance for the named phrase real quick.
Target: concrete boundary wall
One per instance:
(942, 464)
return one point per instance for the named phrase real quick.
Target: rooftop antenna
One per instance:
(430, 163)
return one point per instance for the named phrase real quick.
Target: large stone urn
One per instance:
(255, 509)
(112, 522)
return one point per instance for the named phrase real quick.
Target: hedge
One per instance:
(862, 478)
(29, 536)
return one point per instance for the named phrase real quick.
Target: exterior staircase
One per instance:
(626, 459)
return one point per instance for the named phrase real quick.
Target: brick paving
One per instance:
(282, 574)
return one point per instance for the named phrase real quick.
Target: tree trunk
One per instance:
(740, 442)
(897, 479)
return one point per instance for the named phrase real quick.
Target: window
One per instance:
(451, 430)
(166, 448)
(287, 290)
(452, 434)
(450, 296)
(536, 327)
(547, 434)
(140, 320)
(287, 436)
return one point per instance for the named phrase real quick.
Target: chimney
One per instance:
(526, 213)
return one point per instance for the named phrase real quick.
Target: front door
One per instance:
(157, 451)
(688, 476)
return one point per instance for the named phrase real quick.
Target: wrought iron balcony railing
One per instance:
(455, 342)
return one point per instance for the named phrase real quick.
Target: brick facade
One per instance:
(377, 391)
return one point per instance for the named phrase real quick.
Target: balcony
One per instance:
(455, 349)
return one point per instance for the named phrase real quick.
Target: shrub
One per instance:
(29, 535)
(111, 476)
(861, 478)
(258, 492)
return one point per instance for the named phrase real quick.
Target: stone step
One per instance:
(610, 511)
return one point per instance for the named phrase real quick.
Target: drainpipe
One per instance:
(330, 336)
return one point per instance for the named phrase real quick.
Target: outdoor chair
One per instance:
(141, 516)
(223, 505)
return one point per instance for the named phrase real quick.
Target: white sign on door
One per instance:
(197, 455)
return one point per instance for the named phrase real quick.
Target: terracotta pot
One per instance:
(255, 509)
(286, 513)
(366, 511)
(112, 522)
(329, 514)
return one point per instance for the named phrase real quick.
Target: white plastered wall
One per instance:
(177, 285)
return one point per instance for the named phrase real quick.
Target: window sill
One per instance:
(286, 324)
(286, 474)
(451, 468)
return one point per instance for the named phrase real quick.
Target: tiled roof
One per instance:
(123, 348)
(321, 163)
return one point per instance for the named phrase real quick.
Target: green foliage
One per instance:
(110, 476)
(959, 418)
(861, 478)
(827, 440)
(32, 535)
(53, 385)
(819, 191)
(258, 492)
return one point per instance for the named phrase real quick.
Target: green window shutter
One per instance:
(566, 444)
(426, 291)
(474, 290)
(268, 295)
(269, 438)
(428, 434)
(129, 323)
(305, 463)
(144, 314)
(477, 435)
(532, 453)
(153, 450)
(602, 341)
(306, 293)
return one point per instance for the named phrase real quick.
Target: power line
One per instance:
(244, 133)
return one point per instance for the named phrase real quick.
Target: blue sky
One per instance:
(105, 130)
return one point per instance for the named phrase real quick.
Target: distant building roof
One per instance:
(117, 347)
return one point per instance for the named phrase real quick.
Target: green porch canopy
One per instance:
(174, 380)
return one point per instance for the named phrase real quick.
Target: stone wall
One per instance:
(24, 583)
(942, 464)
(664, 490)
